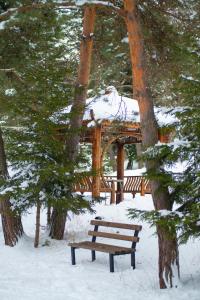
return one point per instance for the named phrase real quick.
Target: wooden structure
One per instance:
(112, 250)
(102, 133)
(102, 136)
(108, 184)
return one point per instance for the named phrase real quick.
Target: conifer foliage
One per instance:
(40, 59)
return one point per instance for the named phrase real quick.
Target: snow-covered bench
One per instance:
(113, 250)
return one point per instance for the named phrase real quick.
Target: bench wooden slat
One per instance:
(114, 236)
(116, 225)
(102, 247)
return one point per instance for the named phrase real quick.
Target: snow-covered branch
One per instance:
(59, 5)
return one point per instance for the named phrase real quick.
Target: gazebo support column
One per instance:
(120, 172)
(96, 161)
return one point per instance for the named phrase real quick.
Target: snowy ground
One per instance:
(46, 273)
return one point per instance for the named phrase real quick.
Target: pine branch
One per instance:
(65, 5)
(12, 74)
(173, 15)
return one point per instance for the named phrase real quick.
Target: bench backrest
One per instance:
(132, 238)
(84, 184)
(136, 184)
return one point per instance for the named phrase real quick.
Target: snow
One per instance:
(2, 25)
(46, 273)
(136, 172)
(110, 105)
(83, 2)
(10, 92)
(125, 40)
(178, 167)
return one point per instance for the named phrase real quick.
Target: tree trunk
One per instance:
(37, 225)
(168, 257)
(11, 222)
(139, 153)
(111, 154)
(57, 226)
(81, 87)
(168, 250)
(48, 215)
(77, 111)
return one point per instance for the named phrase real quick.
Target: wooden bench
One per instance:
(112, 250)
(134, 184)
(85, 185)
(137, 184)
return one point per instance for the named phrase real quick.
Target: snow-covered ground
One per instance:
(46, 273)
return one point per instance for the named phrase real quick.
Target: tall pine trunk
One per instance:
(168, 249)
(58, 219)
(82, 82)
(11, 222)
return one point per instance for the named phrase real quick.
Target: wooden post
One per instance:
(96, 161)
(142, 192)
(120, 172)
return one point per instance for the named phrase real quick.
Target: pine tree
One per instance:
(35, 149)
(160, 181)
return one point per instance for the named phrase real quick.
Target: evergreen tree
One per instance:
(183, 188)
(43, 59)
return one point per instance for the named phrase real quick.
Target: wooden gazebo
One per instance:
(111, 119)
(101, 137)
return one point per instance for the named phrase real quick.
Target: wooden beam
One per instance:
(120, 172)
(96, 161)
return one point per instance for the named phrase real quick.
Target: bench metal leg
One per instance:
(73, 255)
(133, 260)
(93, 255)
(111, 260)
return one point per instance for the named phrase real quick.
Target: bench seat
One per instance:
(117, 250)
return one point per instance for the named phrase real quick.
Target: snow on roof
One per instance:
(109, 105)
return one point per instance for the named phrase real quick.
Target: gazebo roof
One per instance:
(117, 115)
(109, 106)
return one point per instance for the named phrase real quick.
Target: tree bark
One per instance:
(81, 87)
(139, 153)
(168, 250)
(57, 226)
(168, 257)
(111, 154)
(37, 225)
(77, 111)
(48, 215)
(11, 221)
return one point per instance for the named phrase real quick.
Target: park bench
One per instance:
(85, 185)
(133, 184)
(112, 250)
(136, 184)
